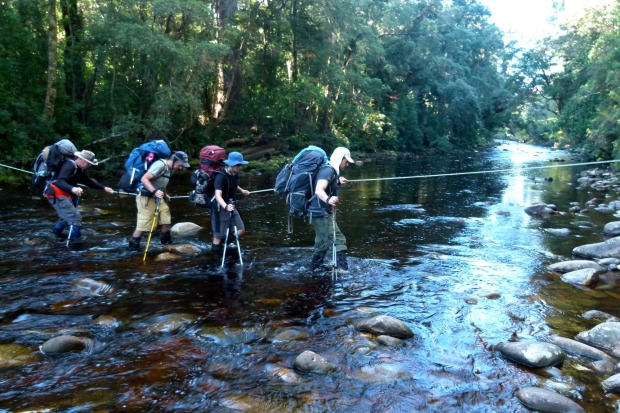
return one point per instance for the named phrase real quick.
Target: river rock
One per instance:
(171, 323)
(579, 349)
(606, 249)
(182, 249)
(90, 287)
(605, 336)
(65, 344)
(539, 210)
(612, 384)
(558, 231)
(184, 228)
(612, 229)
(168, 256)
(586, 277)
(532, 354)
(390, 341)
(547, 401)
(285, 374)
(384, 325)
(310, 362)
(573, 265)
(290, 334)
(12, 355)
(599, 315)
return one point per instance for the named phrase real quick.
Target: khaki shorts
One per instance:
(146, 209)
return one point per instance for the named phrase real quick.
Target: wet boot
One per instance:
(217, 250)
(317, 261)
(134, 243)
(341, 262)
(165, 238)
(58, 229)
(232, 255)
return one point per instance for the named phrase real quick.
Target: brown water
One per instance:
(455, 258)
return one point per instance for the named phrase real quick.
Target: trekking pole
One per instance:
(77, 202)
(230, 215)
(334, 255)
(155, 218)
(236, 236)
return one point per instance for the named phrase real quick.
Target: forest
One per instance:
(373, 75)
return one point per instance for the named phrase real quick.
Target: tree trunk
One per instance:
(73, 25)
(52, 65)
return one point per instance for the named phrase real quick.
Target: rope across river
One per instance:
(393, 178)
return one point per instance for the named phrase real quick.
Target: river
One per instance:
(453, 257)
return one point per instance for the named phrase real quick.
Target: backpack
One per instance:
(48, 163)
(296, 180)
(211, 162)
(139, 161)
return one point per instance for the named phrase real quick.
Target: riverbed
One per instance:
(452, 255)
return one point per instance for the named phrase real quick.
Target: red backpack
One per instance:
(211, 162)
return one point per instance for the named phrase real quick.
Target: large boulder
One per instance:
(547, 401)
(605, 336)
(579, 349)
(532, 354)
(586, 277)
(606, 249)
(184, 228)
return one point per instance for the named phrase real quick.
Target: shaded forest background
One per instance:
(418, 75)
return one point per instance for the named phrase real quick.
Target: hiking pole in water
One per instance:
(334, 255)
(77, 202)
(236, 237)
(155, 218)
(230, 217)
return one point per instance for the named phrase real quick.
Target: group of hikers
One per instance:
(63, 193)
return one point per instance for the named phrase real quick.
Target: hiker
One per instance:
(226, 185)
(63, 189)
(152, 192)
(328, 180)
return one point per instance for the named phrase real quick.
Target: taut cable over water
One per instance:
(393, 178)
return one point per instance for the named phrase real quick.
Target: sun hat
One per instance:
(338, 155)
(235, 158)
(88, 156)
(180, 156)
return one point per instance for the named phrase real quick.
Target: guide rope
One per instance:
(393, 178)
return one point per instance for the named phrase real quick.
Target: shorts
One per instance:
(146, 210)
(220, 222)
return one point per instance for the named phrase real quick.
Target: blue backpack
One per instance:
(296, 180)
(139, 161)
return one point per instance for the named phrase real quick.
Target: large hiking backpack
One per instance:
(48, 163)
(296, 180)
(139, 161)
(211, 162)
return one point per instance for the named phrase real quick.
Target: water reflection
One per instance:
(453, 257)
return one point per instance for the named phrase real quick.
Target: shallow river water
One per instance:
(453, 257)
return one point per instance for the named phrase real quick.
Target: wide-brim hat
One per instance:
(88, 156)
(235, 158)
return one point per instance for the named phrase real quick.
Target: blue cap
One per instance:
(235, 158)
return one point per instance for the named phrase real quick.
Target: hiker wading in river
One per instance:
(62, 190)
(323, 205)
(152, 192)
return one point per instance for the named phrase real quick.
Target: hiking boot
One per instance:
(58, 229)
(341, 262)
(134, 243)
(317, 261)
(165, 238)
(217, 250)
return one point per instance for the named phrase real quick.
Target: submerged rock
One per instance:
(599, 315)
(547, 401)
(311, 362)
(66, 344)
(168, 256)
(605, 336)
(390, 341)
(182, 249)
(606, 249)
(88, 286)
(12, 355)
(171, 323)
(532, 354)
(384, 325)
(539, 210)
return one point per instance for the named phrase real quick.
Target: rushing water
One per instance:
(455, 258)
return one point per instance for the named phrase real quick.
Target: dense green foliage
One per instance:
(369, 74)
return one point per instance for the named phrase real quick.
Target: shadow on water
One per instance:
(454, 257)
